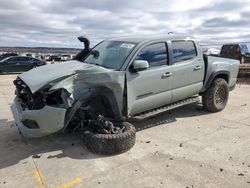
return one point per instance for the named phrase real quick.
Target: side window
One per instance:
(35, 60)
(11, 60)
(225, 50)
(183, 50)
(23, 58)
(155, 54)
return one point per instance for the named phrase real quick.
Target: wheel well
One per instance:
(102, 105)
(224, 76)
(101, 99)
(89, 110)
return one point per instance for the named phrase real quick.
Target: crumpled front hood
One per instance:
(41, 76)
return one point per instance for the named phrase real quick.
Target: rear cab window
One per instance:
(228, 50)
(183, 51)
(224, 49)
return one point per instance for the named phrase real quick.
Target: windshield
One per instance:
(110, 54)
(245, 47)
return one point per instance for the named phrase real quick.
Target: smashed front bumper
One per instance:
(48, 120)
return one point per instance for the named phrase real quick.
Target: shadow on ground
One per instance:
(16, 149)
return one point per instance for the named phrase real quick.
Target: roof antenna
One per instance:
(170, 33)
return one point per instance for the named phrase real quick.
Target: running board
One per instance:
(162, 109)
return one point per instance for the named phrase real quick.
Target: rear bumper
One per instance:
(232, 84)
(49, 119)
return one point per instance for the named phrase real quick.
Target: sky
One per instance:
(57, 23)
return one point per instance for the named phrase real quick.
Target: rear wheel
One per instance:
(216, 97)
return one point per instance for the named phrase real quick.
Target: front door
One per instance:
(10, 65)
(150, 88)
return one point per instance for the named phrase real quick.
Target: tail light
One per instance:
(238, 49)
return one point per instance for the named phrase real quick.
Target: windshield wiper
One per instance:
(99, 65)
(96, 64)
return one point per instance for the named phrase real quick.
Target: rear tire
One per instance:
(216, 97)
(110, 144)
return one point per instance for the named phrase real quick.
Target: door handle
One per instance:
(198, 67)
(166, 75)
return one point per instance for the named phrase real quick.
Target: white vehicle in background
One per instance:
(212, 51)
(66, 57)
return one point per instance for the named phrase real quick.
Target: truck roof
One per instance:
(138, 39)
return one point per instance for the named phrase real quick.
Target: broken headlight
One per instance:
(60, 97)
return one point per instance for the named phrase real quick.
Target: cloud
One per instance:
(57, 23)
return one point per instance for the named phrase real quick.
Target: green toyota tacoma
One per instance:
(119, 79)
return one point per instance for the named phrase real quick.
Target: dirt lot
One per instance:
(186, 147)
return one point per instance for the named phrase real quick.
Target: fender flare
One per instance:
(93, 92)
(224, 74)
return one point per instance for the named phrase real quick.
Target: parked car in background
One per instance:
(236, 51)
(65, 57)
(55, 58)
(19, 64)
(5, 55)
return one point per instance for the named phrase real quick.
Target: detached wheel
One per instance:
(110, 144)
(216, 97)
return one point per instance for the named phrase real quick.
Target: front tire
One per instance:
(110, 144)
(216, 97)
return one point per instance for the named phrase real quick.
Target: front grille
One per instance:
(28, 100)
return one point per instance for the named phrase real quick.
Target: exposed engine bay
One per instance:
(39, 99)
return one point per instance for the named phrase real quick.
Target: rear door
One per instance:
(150, 88)
(189, 69)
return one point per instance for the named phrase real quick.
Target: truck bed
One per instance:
(220, 65)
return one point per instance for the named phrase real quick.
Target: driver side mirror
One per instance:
(139, 65)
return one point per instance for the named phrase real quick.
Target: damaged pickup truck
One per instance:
(119, 79)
